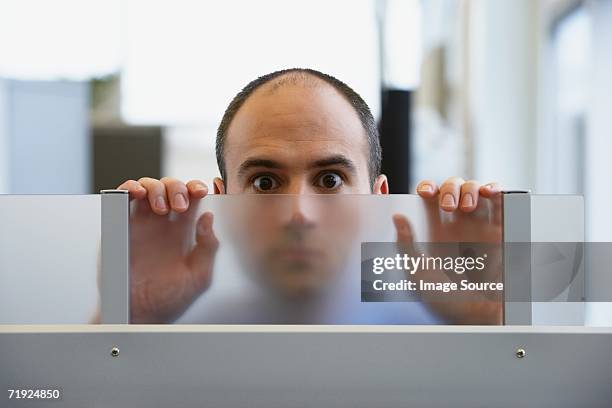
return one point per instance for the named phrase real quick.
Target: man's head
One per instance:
(298, 131)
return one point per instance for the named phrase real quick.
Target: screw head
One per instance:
(520, 353)
(114, 351)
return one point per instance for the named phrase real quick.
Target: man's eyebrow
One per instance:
(337, 160)
(250, 163)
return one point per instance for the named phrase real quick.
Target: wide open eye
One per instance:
(265, 183)
(329, 181)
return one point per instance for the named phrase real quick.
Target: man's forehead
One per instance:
(300, 117)
(294, 149)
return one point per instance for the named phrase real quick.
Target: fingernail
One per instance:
(200, 187)
(448, 200)
(425, 188)
(180, 201)
(160, 203)
(467, 200)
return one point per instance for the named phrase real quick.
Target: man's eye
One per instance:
(329, 181)
(265, 183)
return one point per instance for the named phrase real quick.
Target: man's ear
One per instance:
(219, 186)
(381, 185)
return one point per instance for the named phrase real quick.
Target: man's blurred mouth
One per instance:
(298, 254)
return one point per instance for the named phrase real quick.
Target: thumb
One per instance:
(405, 235)
(201, 258)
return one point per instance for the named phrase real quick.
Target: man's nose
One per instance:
(302, 210)
(301, 205)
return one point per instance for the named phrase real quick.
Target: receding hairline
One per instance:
(296, 79)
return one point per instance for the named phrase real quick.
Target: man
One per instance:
(297, 132)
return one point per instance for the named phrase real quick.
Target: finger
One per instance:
(493, 191)
(490, 189)
(469, 196)
(406, 242)
(205, 236)
(201, 258)
(197, 189)
(427, 189)
(405, 236)
(450, 192)
(498, 211)
(135, 190)
(178, 196)
(156, 193)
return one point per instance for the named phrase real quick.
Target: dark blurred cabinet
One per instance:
(395, 139)
(125, 152)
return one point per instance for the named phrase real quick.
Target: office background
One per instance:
(518, 91)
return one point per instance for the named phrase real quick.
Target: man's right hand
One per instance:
(167, 272)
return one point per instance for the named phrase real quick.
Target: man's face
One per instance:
(303, 140)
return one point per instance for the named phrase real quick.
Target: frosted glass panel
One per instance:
(284, 259)
(48, 258)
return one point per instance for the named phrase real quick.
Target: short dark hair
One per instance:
(361, 108)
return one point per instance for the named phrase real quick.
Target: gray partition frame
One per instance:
(535, 219)
(517, 257)
(303, 366)
(114, 258)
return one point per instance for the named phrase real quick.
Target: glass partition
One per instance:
(316, 259)
(283, 259)
(49, 248)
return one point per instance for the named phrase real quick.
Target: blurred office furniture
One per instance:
(125, 152)
(399, 47)
(395, 125)
(44, 139)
